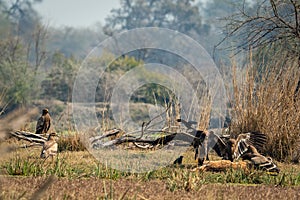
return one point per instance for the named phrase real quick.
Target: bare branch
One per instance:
(273, 21)
(109, 133)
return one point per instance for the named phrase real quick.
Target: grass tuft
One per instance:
(70, 142)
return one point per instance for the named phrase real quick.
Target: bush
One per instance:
(70, 143)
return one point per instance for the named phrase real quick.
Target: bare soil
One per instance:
(93, 188)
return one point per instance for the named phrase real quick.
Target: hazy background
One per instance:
(79, 13)
(44, 42)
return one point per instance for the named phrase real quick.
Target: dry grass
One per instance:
(77, 174)
(70, 142)
(26, 162)
(265, 100)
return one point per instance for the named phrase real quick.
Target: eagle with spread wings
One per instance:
(43, 123)
(245, 146)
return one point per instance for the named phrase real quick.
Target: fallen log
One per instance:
(108, 133)
(161, 140)
(28, 136)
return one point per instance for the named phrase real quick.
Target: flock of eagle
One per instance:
(246, 146)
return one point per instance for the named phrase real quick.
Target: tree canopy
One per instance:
(180, 15)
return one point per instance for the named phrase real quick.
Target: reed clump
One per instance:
(267, 99)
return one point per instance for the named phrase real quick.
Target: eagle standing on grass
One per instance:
(50, 146)
(43, 123)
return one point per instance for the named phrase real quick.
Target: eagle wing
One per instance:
(188, 124)
(49, 147)
(210, 140)
(244, 140)
(198, 141)
(265, 163)
(220, 146)
(259, 161)
(40, 125)
(47, 122)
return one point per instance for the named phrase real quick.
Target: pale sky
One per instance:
(76, 13)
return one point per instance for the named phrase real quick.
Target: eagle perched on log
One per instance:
(50, 147)
(43, 123)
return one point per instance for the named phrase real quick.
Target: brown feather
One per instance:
(207, 141)
(50, 147)
(244, 140)
(259, 161)
(43, 123)
(245, 146)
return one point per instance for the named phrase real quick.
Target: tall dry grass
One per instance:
(265, 99)
(71, 142)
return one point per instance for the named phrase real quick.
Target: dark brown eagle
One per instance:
(43, 123)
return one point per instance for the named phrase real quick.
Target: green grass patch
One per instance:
(81, 164)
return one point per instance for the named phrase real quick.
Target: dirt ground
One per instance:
(92, 188)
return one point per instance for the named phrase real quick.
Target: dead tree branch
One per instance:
(34, 139)
(273, 21)
(28, 136)
(166, 135)
(109, 133)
